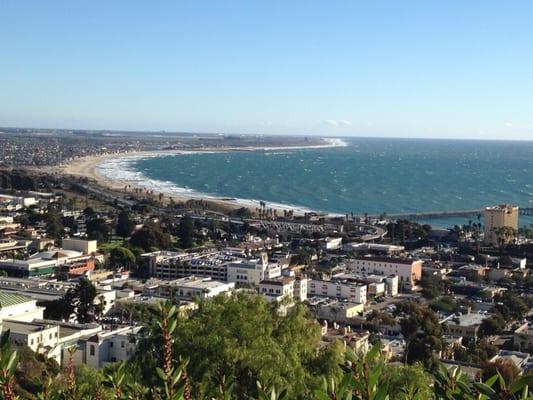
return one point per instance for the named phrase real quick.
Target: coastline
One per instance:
(90, 167)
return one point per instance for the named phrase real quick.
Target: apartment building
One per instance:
(284, 287)
(409, 271)
(496, 218)
(340, 289)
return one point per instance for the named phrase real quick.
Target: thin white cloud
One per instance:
(515, 126)
(337, 123)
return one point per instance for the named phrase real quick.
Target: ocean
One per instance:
(364, 176)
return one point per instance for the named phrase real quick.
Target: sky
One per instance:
(437, 69)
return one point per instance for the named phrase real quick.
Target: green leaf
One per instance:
(371, 355)
(484, 389)
(520, 383)
(381, 394)
(161, 374)
(320, 395)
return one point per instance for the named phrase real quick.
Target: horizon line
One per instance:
(327, 135)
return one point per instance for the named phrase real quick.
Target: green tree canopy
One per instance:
(244, 339)
(121, 257)
(186, 232)
(149, 237)
(125, 225)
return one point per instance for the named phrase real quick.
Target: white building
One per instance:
(332, 243)
(277, 289)
(34, 335)
(252, 270)
(109, 347)
(19, 308)
(83, 246)
(341, 289)
(188, 288)
(408, 271)
(339, 311)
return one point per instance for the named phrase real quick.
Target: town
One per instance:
(78, 271)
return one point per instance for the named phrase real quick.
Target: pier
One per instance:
(447, 214)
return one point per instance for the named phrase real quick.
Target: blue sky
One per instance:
(382, 68)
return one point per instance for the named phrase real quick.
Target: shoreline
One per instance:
(90, 167)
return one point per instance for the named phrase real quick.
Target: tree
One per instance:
(121, 257)
(124, 225)
(432, 286)
(512, 306)
(492, 325)
(506, 368)
(54, 228)
(244, 339)
(186, 232)
(408, 381)
(422, 332)
(83, 296)
(150, 237)
(97, 229)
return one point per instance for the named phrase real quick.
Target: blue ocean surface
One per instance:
(368, 175)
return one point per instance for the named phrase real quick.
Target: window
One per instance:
(110, 344)
(122, 344)
(91, 351)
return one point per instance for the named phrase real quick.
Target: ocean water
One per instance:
(366, 175)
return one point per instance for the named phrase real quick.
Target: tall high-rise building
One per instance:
(498, 218)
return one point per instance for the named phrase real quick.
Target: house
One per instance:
(465, 325)
(523, 338)
(357, 340)
(112, 346)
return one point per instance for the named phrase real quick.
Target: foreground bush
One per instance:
(362, 376)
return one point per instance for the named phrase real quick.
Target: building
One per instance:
(36, 336)
(357, 340)
(252, 271)
(277, 289)
(228, 265)
(83, 246)
(19, 308)
(496, 218)
(523, 338)
(187, 288)
(47, 263)
(521, 360)
(109, 347)
(339, 289)
(464, 325)
(332, 243)
(409, 271)
(91, 344)
(338, 311)
(374, 248)
(167, 265)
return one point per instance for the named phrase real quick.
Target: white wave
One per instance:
(122, 169)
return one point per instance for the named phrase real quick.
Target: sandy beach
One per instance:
(88, 167)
